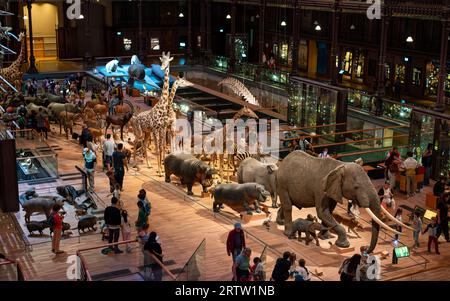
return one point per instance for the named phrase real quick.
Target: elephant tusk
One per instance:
(392, 218)
(379, 222)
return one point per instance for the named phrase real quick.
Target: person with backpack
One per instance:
(55, 222)
(301, 273)
(142, 196)
(89, 165)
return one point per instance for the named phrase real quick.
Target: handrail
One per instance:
(187, 262)
(417, 272)
(367, 151)
(357, 141)
(346, 132)
(313, 127)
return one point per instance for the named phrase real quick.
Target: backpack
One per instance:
(298, 277)
(51, 220)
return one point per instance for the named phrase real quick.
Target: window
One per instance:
(127, 44)
(417, 76)
(348, 62)
(154, 44)
(400, 73)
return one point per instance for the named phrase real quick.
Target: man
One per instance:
(85, 136)
(439, 187)
(410, 164)
(40, 123)
(281, 269)
(119, 162)
(89, 165)
(241, 267)
(113, 220)
(108, 150)
(427, 159)
(443, 218)
(235, 241)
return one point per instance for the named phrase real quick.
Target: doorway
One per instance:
(45, 24)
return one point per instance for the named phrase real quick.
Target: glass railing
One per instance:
(194, 269)
(371, 156)
(11, 270)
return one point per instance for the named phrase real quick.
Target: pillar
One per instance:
(295, 36)
(262, 12)
(334, 52)
(32, 68)
(140, 34)
(203, 25)
(440, 104)
(381, 72)
(233, 34)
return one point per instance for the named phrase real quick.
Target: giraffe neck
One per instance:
(17, 64)
(165, 89)
(172, 95)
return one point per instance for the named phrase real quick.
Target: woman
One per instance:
(301, 273)
(152, 251)
(56, 223)
(387, 197)
(241, 266)
(126, 229)
(350, 267)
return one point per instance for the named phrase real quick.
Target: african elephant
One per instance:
(307, 181)
(309, 227)
(252, 170)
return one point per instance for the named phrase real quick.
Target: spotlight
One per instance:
(409, 39)
(81, 17)
(181, 15)
(221, 30)
(318, 28)
(352, 27)
(283, 23)
(228, 16)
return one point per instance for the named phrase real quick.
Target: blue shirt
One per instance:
(89, 160)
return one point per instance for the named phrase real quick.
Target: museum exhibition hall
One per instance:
(224, 140)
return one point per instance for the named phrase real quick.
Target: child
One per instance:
(417, 225)
(432, 229)
(398, 216)
(142, 216)
(116, 193)
(142, 197)
(387, 197)
(143, 236)
(126, 229)
(257, 270)
(301, 273)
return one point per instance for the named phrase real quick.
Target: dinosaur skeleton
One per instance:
(240, 89)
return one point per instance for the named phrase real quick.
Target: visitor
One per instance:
(142, 216)
(398, 216)
(152, 251)
(397, 88)
(349, 268)
(304, 144)
(410, 164)
(442, 207)
(386, 196)
(324, 153)
(427, 163)
(439, 187)
(417, 226)
(282, 266)
(21, 122)
(113, 220)
(55, 222)
(301, 273)
(108, 150)
(235, 241)
(142, 196)
(142, 236)
(241, 266)
(40, 123)
(392, 163)
(258, 270)
(31, 124)
(395, 243)
(126, 229)
(89, 165)
(46, 126)
(85, 136)
(119, 163)
(432, 230)
(117, 193)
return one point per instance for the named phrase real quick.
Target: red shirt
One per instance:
(58, 221)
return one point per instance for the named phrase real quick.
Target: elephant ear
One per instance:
(333, 184)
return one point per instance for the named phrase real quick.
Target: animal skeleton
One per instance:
(237, 87)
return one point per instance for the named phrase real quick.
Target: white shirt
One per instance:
(302, 272)
(108, 147)
(410, 163)
(324, 155)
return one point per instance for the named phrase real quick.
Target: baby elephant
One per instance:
(309, 227)
(240, 195)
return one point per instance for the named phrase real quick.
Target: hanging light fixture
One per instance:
(409, 39)
(352, 27)
(181, 15)
(317, 28)
(283, 23)
(228, 16)
(81, 17)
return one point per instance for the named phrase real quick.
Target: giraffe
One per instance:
(13, 73)
(154, 121)
(180, 82)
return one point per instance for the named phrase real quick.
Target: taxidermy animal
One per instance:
(112, 65)
(240, 195)
(40, 204)
(350, 221)
(87, 222)
(56, 108)
(305, 181)
(65, 227)
(252, 170)
(135, 60)
(136, 71)
(37, 226)
(308, 227)
(190, 170)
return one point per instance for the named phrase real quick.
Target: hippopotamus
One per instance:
(136, 71)
(190, 170)
(39, 204)
(308, 226)
(87, 221)
(240, 195)
(37, 226)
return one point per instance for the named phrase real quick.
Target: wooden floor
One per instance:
(183, 222)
